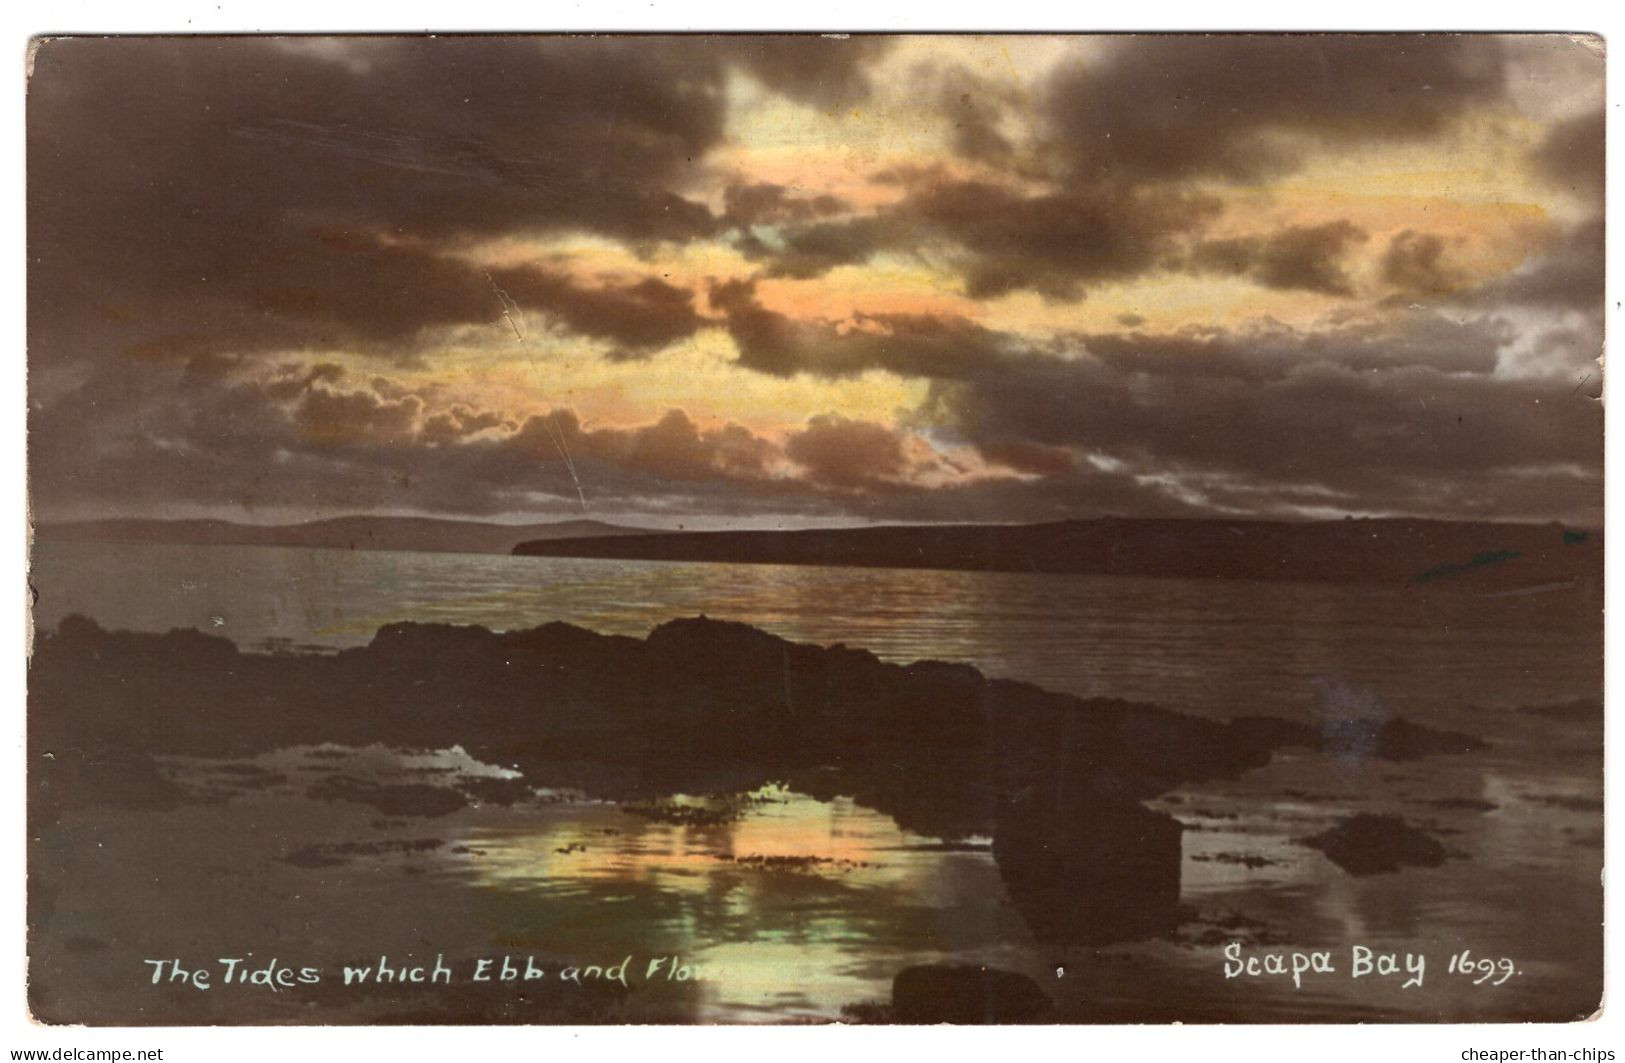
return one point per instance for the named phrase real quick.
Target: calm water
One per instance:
(782, 942)
(1219, 648)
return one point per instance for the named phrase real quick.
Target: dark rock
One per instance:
(965, 995)
(319, 856)
(1463, 804)
(1369, 844)
(76, 776)
(1399, 739)
(1091, 872)
(1581, 710)
(1356, 738)
(1251, 861)
(700, 706)
(1569, 802)
(492, 791)
(406, 799)
(250, 771)
(1271, 732)
(1361, 738)
(314, 856)
(868, 1013)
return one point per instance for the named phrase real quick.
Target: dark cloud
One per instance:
(1110, 186)
(1567, 274)
(325, 415)
(460, 422)
(1384, 437)
(1274, 351)
(314, 440)
(1415, 265)
(1109, 431)
(828, 71)
(812, 250)
(848, 454)
(339, 289)
(755, 204)
(1003, 239)
(1572, 154)
(640, 317)
(1246, 107)
(942, 347)
(196, 205)
(1302, 258)
(1055, 243)
(294, 382)
(1031, 458)
(143, 438)
(673, 448)
(919, 345)
(249, 193)
(975, 105)
(345, 289)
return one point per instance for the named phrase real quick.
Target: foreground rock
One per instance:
(964, 995)
(1369, 844)
(700, 706)
(1090, 868)
(1395, 738)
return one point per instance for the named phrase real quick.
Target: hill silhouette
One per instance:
(427, 534)
(1487, 556)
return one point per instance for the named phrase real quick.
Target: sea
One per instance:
(803, 910)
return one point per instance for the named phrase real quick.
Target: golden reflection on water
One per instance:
(795, 908)
(798, 907)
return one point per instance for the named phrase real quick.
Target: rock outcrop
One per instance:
(966, 996)
(1369, 844)
(699, 706)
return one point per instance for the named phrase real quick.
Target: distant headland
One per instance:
(1489, 556)
(426, 534)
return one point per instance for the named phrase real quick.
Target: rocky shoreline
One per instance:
(699, 706)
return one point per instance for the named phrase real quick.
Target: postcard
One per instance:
(879, 529)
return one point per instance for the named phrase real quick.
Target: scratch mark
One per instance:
(515, 317)
(1015, 78)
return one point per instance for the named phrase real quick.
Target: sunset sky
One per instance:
(798, 280)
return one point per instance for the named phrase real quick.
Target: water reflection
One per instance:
(797, 908)
(1217, 647)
